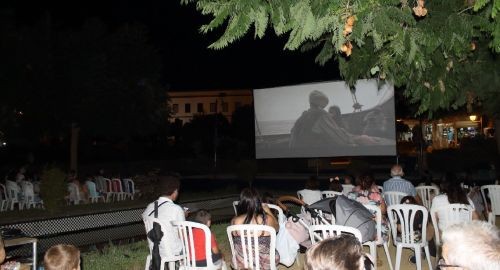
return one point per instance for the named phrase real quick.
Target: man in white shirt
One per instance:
(168, 211)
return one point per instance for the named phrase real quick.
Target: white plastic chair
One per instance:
(330, 194)
(4, 202)
(185, 229)
(129, 188)
(281, 215)
(393, 197)
(373, 244)
(494, 195)
(29, 196)
(427, 193)
(248, 235)
(381, 189)
(13, 192)
(448, 215)
(347, 188)
(320, 232)
(406, 214)
(93, 194)
(116, 185)
(74, 194)
(109, 190)
(148, 223)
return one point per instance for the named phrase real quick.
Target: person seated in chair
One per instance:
(168, 211)
(62, 257)
(204, 217)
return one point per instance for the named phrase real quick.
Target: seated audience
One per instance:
(311, 193)
(62, 257)
(343, 252)
(204, 217)
(254, 212)
(451, 192)
(472, 245)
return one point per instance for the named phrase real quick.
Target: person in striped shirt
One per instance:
(398, 183)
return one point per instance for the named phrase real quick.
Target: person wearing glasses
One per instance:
(472, 245)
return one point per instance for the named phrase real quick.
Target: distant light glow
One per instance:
(472, 117)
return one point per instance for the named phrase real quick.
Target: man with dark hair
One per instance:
(168, 211)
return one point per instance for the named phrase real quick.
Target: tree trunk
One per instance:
(73, 152)
(497, 133)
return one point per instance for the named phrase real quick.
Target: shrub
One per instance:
(53, 187)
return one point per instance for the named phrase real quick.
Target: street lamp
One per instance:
(472, 117)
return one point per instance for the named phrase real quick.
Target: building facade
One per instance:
(186, 104)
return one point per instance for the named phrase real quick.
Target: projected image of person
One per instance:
(337, 116)
(317, 128)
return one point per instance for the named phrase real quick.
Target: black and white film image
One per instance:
(325, 120)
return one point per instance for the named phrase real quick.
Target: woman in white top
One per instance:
(452, 192)
(311, 193)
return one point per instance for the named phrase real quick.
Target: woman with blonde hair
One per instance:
(62, 257)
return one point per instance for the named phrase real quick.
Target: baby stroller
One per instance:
(336, 210)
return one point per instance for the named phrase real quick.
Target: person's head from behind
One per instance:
(268, 198)
(366, 181)
(452, 189)
(335, 184)
(343, 252)
(318, 99)
(203, 216)
(2, 250)
(62, 257)
(250, 204)
(312, 183)
(169, 186)
(334, 111)
(408, 200)
(397, 170)
(482, 238)
(348, 180)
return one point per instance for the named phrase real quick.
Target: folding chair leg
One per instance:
(388, 255)
(399, 249)
(418, 258)
(373, 253)
(428, 256)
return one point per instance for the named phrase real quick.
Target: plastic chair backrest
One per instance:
(320, 232)
(249, 235)
(12, 190)
(381, 189)
(346, 188)
(3, 192)
(74, 193)
(330, 193)
(393, 197)
(427, 193)
(91, 186)
(405, 214)
(185, 230)
(309, 196)
(28, 192)
(109, 185)
(378, 219)
(116, 185)
(129, 185)
(494, 195)
(447, 215)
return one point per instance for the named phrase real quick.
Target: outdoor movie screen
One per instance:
(325, 120)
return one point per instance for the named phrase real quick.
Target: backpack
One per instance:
(351, 213)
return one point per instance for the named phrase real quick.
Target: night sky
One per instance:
(188, 63)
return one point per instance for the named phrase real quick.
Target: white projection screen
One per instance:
(325, 120)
